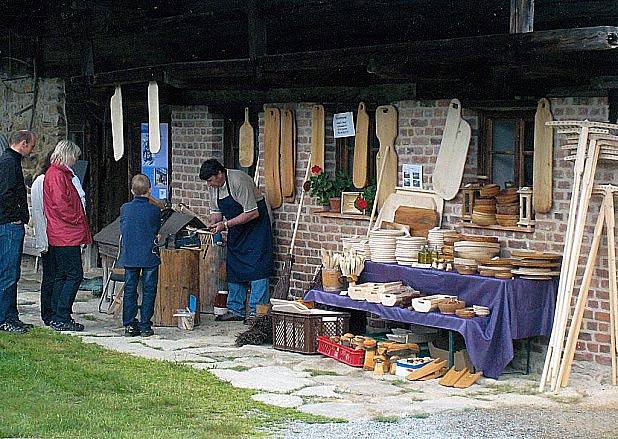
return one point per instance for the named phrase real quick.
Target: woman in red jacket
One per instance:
(67, 230)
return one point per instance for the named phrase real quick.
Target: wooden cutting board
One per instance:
(420, 220)
(542, 191)
(361, 147)
(272, 172)
(452, 155)
(115, 105)
(317, 136)
(246, 143)
(386, 130)
(154, 136)
(288, 154)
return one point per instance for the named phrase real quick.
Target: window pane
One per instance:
(503, 168)
(529, 135)
(504, 136)
(527, 180)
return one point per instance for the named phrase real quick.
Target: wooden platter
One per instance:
(272, 171)
(246, 142)
(317, 136)
(361, 147)
(288, 155)
(543, 158)
(533, 254)
(386, 131)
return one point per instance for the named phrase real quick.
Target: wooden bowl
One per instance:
(484, 209)
(504, 275)
(489, 190)
(463, 261)
(478, 238)
(465, 313)
(507, 209)
(507, 199)
(509, 191)
(465, 269)
(485, 201)
(507, 220)
(451, 305)
(487, 273)
(484, 220)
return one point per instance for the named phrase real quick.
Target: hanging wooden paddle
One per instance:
(115, 105)
(361, 149)
(543, 154)
(246, 143)
(317, 136)
(154, 136)
(451, 160)
(386, 130)
(272, 176)
(288, 153)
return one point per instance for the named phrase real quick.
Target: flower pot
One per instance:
(335, 204)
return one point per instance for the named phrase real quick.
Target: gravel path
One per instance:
(515, 422)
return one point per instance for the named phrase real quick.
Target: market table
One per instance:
(520, 308)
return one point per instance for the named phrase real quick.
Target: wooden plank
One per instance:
(522, 16)
(613, 282)
(246, 143)
(212, 275)
(154, 136)
(452, 376)
(288, 155)
(272, 171)
(386, 131)
(427, 369)
(467, 380)
(361, 147)
(542, 195)
(317, 136)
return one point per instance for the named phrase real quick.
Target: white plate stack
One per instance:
(408, 248)
(383, 245)
(435, 238)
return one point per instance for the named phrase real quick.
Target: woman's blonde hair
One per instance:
(65, 152)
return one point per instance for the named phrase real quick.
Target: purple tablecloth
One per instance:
(520, 308)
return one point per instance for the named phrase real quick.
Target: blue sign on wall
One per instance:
(156, 166)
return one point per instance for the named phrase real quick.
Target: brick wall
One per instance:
(197, 134)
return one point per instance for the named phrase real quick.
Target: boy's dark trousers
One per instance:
(150, 276)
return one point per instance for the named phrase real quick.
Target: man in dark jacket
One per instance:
(13, 215)
(139, 224)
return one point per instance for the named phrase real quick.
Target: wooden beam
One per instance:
(522, 16)
(612, 97)
(377, 94)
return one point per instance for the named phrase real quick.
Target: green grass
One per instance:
(54, 385)
(386, 419)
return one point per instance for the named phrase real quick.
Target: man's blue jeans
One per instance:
(149, 276)
(237, 295)
(11, 243)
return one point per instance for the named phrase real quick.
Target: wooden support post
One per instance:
(613, 286)
(522, 16)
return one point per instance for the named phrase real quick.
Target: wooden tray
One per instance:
(533, 254)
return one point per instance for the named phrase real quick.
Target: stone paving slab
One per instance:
(287, 401)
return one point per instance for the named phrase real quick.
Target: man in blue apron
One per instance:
(237, 205)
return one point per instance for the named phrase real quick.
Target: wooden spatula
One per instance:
(288, 153)
(317, 136)
(361, 147)
(543, 155)
(246, 143)
(386, 130)
(154, 136)
(115, 105)
(272, 176)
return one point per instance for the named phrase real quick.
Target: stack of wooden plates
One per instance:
(507, 207)
(531, 264)
(435, 239)
(465, 266)
(450, 237)
(407, 249)
(383, 245)
(357, 244)
(484, 211)
(492, 270)
(476, 250)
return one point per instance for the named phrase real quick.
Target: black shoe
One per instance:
(77, 325)
(131, 331)
(249, 319)
(18, 322)
(229, 317)
(12, 327)
(61, 326)
(146, 332)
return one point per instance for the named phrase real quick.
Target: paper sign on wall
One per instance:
(412, 176)
(343, 125)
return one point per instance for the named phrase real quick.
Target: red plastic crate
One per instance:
(346, 355)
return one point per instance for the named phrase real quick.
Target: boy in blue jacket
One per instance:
(139, 225)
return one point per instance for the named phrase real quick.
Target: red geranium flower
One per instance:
(360, 203)
(315, 169)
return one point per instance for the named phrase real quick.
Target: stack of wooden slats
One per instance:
(592, 142)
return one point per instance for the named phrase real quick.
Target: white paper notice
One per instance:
(343, 125)
(412, 176)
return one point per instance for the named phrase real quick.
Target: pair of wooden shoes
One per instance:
(461, 379)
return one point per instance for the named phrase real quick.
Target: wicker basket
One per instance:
(299, 332)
